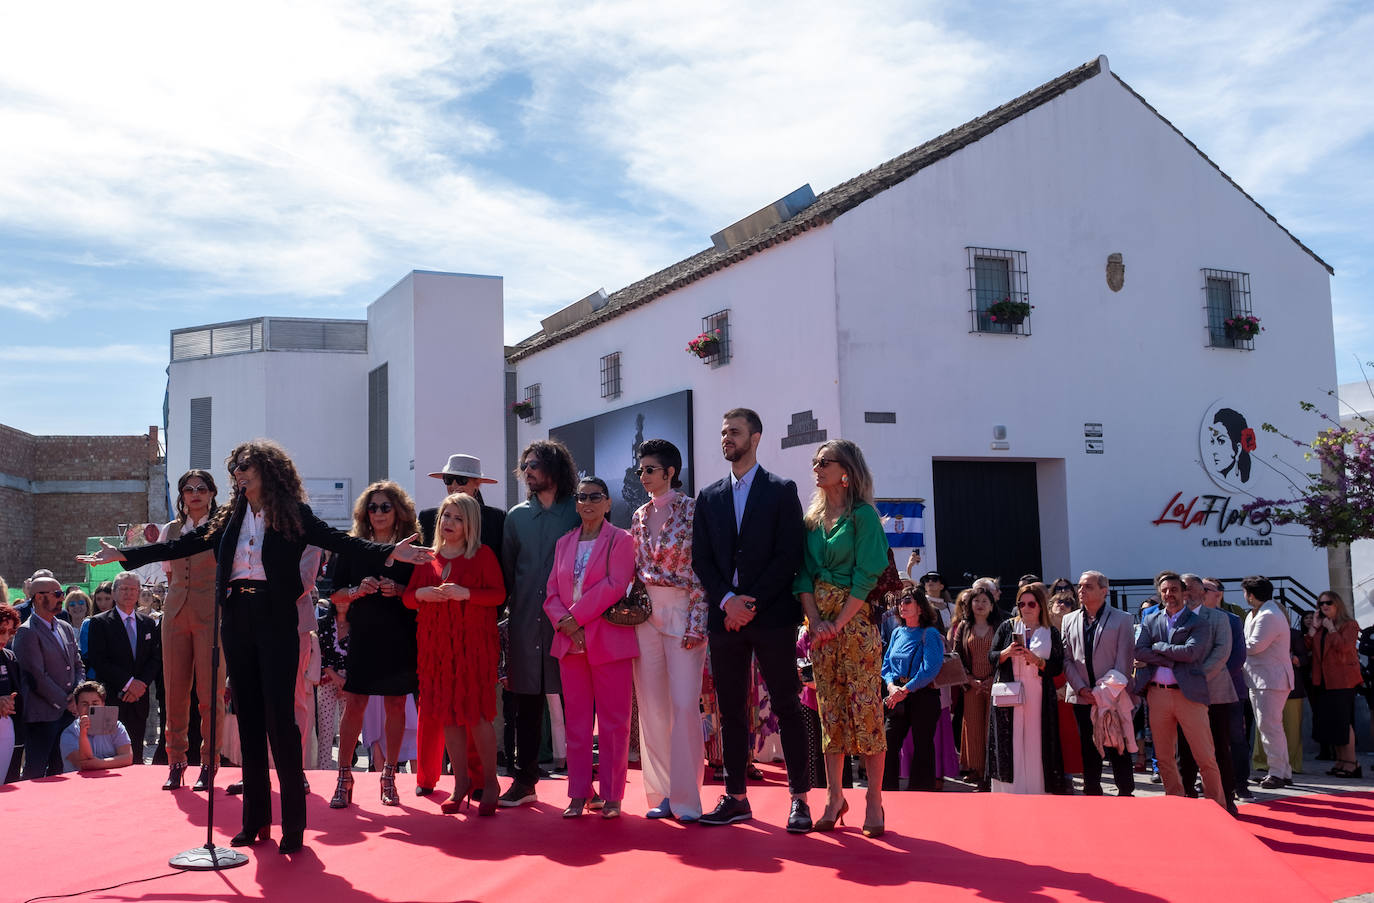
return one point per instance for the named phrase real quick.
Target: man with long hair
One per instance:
(532, 529)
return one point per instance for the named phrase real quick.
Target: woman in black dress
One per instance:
(258, 539)
(381, 650)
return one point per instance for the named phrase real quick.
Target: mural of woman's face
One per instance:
(1220, 449)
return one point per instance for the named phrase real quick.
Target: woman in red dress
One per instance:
(457, 596)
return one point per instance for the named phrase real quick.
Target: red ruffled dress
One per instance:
(458, 643)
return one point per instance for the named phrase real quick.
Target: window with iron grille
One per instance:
(1227, 296)
(532, 396)
(610, 375)
(718, 324)
(999, 295)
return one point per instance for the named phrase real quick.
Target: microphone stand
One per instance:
(209, 857)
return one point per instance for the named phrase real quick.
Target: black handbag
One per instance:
(634, 608)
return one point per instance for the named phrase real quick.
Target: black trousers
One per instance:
(917, 715)
(775, 648)
(529, 736)
(262, 651)
(1219, 720)
(1123, 771)
(42, 749)
(134, 717)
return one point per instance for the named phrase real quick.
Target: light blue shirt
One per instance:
(1163, 673)
(103, 746)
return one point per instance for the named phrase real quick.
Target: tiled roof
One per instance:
(840, 199)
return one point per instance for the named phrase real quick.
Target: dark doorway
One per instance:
(987, 521)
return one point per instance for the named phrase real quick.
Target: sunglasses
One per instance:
(383, 507)
(1326, 602)
(458, 481)
(1027, 604)
(240, 466)
(650, 469)
(58, 594)
(590, 496)
(822, 463)
(527, 465)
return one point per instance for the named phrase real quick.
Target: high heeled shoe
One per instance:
(343, 790)
(389, 796)
(174, 776)
(575, 807)
(876, 829)
(460, 800)
(292, 842)
(248, 838)
(490, 799)
(828, 822)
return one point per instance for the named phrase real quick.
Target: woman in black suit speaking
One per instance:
(258, 539)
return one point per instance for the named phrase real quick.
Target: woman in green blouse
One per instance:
(845, 554)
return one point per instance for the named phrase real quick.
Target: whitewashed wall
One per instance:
(1090, 173)
(782, 324)
(303, 400)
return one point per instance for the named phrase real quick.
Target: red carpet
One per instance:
(80, 832)
(1327, 839)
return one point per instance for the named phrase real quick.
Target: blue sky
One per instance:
(171, 164)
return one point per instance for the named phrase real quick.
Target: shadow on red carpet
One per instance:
(106, 828)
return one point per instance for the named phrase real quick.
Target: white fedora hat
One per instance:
(463, 466)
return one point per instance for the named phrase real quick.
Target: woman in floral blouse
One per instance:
(672, 643)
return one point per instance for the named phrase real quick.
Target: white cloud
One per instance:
(99, 357)
(42, 300)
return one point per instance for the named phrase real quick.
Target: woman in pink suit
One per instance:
(592, 568)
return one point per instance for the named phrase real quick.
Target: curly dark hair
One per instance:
(204, 477)
(400, 503)
(8, 613)
(556, 461)
(916, 593)
(282, 493)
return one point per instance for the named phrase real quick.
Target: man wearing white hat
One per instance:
(462, 473)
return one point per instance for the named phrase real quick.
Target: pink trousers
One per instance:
(600, 694)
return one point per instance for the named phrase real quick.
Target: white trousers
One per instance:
(668, 683)
(1268, 705)
(558, 734)
(6, 745)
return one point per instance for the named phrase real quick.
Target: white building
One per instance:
(1116, 427)
(352, 400)
(1095, 442)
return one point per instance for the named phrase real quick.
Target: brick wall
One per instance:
(47, 529)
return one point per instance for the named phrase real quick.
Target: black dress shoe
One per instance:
(234, 789)
(247, 838)
(204, 781)
(1272, 783)
(728, 811)
(291, 842)
(799, 818)
(423, 791)
(174, 776)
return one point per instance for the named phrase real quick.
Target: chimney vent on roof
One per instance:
(575, 311)
(780, 211)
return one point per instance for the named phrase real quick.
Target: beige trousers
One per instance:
(186, 645)
(1171, 711)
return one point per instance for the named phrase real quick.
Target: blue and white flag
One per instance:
(902, 522)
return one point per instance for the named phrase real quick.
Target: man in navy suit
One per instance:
(747, 541)
(125, 649)
(1169, 654)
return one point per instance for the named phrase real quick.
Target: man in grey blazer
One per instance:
(1269, 672)
(1169, 653)
(1221, 695)
(48, 654)
(1097, 639)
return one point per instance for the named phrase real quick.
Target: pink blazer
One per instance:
(606, 642)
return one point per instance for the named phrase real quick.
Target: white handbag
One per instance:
(1008, 693)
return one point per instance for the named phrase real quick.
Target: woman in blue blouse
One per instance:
(844, 555)
(914, 656)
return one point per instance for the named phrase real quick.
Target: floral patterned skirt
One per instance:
(849, 680)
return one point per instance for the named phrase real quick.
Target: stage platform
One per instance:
(81, 832)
